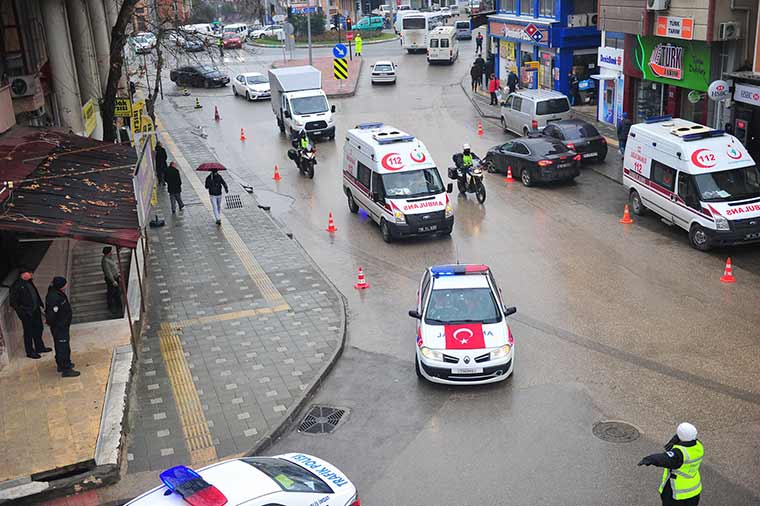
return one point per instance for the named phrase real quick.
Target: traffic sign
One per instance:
(306, 10)
(340, 69)
(340, 51)
(289, 28)
(350, 35)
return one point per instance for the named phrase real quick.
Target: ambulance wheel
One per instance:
(635, 203)
(698, 238)
(352, 205)
(525, 177)
(417, 367)
(386, 231)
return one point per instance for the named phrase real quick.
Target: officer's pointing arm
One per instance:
(672, 459)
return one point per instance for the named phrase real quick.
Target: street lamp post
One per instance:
(308, 30)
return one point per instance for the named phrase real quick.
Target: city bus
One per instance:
(415, 28)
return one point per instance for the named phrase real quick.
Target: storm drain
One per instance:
(233, 202)
(322, 420)
(615, 432)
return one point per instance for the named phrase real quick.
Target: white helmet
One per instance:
(686, 432)
(465, 147)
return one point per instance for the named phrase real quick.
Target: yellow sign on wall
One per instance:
(89, 117)
(137, 111)
(148, 127)
(123, 108)
(531, 65)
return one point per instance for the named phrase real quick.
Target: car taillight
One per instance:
(534, 125)
(544, 163)
(577, 157)
(570, 146)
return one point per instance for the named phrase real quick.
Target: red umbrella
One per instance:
(208, 167)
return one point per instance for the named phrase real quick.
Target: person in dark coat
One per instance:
(111, 275)
(481, 63)
(174, 187)
(575, 97)
(474, 77)
(214, 184)
(479, 43)
(624, 126)
(58, 315)
(160, 163)
(26, 301)
(512, 81)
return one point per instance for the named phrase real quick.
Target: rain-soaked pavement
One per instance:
(614, 322)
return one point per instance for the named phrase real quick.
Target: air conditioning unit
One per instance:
(593, 19)
(728, 30)
(24, 86)
(658, 5)
(577, 20)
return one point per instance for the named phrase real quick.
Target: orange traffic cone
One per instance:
(276, 176)
(480, 128)
(509, 178)
(216, 114)
(728, 273)
(242, 134)
(331, 224)
(361, 283)
(626, 219)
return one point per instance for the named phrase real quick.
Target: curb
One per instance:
(301, 45)
(473, 101)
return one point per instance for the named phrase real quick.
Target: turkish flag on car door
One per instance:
(464, 337)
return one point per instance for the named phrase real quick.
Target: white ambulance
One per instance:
(700, 179)
(391, 175)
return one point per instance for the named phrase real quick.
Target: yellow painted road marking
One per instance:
(252, 267)
(237, 315)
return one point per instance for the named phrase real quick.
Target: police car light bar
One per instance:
(702, 135)
(191, 487)
(454, 270)
(657, 119)
(368, 126)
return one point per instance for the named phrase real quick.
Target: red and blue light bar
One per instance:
(458, 269)
(191, 487)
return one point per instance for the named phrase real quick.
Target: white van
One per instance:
(700, 179)
(391, 175)
(463, 29)
(527, 110)
(238, 28)
(443, 45)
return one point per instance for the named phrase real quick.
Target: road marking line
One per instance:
(237, 315)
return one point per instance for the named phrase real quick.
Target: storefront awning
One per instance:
(63, 185)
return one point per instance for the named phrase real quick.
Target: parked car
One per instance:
(383, 71)
(251, 85)
(198, 76)
(140, 45)
(271, 31)
(534, 159)
(232, 40)
(526, 110)
(445, 12)
(383, 10)
(579, 136)
(370, 23)
(454, 10)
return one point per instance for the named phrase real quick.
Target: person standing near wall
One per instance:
(58, 315)
(26, 301)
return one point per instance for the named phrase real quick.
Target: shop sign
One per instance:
(123, 108)
(88, 115)
(694, 96)
(685, 64)
(718, 90)
(507, 50)
(531, 33)
(747, 94)
(674, 27)
(610, 58)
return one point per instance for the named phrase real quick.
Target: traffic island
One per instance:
(332, 87)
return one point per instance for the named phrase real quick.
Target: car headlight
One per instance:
(502, 352)
(431, 354)
(298, 123)
(721, 223)
(449, 211)
(399, 217)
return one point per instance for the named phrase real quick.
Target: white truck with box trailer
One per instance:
(299, 103)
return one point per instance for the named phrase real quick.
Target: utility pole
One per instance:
(308, 29)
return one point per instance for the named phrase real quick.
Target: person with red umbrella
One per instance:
(214, 185)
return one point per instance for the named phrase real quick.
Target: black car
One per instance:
(579, 136)
(534, 160)
(198, 76)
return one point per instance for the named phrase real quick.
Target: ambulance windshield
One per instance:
(727, 185)
(412, 183)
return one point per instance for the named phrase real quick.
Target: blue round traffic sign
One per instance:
(340, 51)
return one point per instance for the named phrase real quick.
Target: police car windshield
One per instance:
(290, 477)
(728, 185)
(413, 183)
(309, 105)
(462, 305)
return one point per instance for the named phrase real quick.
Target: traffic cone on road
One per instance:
(626, 219)
(728, 273)
(480, 128)
(331, 224)
(242, 134)
(198, 103)
(361, 283)
(277, 176)
(509, 178)
(216, 114)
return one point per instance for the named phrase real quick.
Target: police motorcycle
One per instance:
(469, 177)
(304, 154)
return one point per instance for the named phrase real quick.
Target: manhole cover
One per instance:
(233, 201)
(615, 432)
(322, 419)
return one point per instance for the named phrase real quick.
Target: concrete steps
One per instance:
(87, 292)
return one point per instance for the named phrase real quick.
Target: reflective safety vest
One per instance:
(467, 160)
(685, 482)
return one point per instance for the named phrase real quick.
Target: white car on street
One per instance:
(383, 72)
(272, 31)
(293, 479)
(462, 332)
(252, 86)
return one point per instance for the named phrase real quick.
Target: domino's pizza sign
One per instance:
(533, 32)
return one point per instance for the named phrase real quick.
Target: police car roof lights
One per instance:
(658, 119)
(459, 269)
(193, 489)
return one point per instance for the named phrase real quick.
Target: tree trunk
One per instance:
(118, 40)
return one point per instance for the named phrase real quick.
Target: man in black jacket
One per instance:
(161, 157)
(26, 301)
(214, 184)
(512, 81)
(58, 314)
(481, 63)
(174, 187)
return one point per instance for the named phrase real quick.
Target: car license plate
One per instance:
(467, 370)
(429, 228)
(589, 155)
(749, 237)
(564, 165)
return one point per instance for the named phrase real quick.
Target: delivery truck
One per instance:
(299, 103)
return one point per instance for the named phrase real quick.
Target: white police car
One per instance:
(293, 479)
(462, 331)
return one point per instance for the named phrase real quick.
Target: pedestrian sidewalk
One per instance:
(333, 87)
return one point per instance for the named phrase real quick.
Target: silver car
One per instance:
(252, 86)
(383, 72)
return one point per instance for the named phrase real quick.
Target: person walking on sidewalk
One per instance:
(26, 301)
(494, 86)
(474, 76)
(214, 184)
(575, 98)
(512, 81)
(623, 128)
(479, 43)
(174, 187)
(111, 275)
(359, 43)
(481, 63)
(58, 315)
(160, 163)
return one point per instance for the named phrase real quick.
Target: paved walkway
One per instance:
(242, 326)
(331, 86)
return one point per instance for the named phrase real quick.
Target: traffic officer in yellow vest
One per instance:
(681, 482)
(359, 43)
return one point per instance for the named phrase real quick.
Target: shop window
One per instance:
(509, 5)
(526, 7)
(663, 175)
(546, 8)
(581, 6)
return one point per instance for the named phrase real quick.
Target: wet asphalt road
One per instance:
(614, 322)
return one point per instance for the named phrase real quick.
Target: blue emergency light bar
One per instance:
(458, 270)
(191, 487)
(658, 119)
(400, 138)
(703, 135)
(368, 126)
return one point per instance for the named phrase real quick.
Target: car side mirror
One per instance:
(287, 114)
(449, 187)
(415, 314)
(508, 311)
(332, 109)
